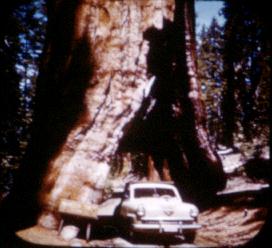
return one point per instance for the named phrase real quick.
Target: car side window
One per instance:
(153, 192)
(138, 193)
(169, 192)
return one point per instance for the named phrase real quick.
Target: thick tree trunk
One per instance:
(105, 63)
(96, 75)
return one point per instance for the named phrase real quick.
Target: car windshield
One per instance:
(153, 192)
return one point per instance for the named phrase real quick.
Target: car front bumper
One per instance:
(161, 227)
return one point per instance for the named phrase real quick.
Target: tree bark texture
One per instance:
(205, 168)
(96, 72)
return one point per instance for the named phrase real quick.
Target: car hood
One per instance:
(158, 207)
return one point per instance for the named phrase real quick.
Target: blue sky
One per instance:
(205, 11)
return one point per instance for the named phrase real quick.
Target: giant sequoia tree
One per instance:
(115, 76)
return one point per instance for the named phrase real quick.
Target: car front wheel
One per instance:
(190, 236)
(126, 228)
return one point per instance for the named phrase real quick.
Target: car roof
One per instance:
(152, 184)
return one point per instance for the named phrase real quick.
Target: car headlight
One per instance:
(194, 212)
(140, 211)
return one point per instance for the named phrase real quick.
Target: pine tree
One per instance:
(246, 68)
(21, 39)
(210, 68)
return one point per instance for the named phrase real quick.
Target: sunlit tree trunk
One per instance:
(95, 75)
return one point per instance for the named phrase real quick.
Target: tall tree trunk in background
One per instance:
(231, 54)
(229, 103)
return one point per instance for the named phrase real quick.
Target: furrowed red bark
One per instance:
(102, 52)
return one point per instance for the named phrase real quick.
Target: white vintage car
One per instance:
(157, 208)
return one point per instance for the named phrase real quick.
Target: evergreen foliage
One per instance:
(21, 41)
(233, 63)
(210, 72)
(246, 66)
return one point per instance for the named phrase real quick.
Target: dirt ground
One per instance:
(234, 218)
(229, 226)
(221, 226)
